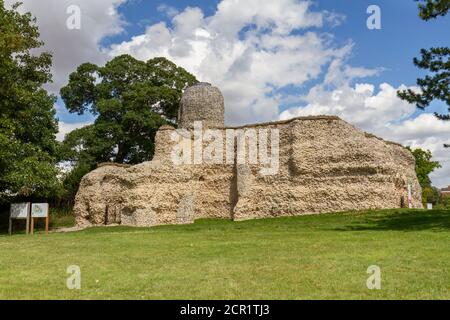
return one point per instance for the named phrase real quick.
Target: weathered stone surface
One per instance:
(202, 102)
(325, 165)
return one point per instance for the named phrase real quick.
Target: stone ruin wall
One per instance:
(328, 165)
(325, 165)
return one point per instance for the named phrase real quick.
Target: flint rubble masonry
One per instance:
(325, 165)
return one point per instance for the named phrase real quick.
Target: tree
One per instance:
(436, 85)
(424, 166)
(430, 9)
(28, 127)
(430, 195)
(131, 99)
(445, 202)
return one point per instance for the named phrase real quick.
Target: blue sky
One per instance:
(402, 36)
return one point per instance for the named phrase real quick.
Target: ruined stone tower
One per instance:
(202, 102)
(324, 165)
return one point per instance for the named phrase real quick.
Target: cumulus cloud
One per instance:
(65, 128)
(250, 49)
(70, 48)
(378, 111)
(359, 105)
(426, 131)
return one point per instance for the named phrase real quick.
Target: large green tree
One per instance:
(436, 61)
(130, 99)
(28, 147)
(424, 166)
(436, 85)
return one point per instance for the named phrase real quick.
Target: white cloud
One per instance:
(380, 112)
(359, 105)
(168, 10)
(250, 49)
(65, 128)
(70, 48)
(426, 131)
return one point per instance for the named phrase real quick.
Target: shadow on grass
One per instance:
(416, 220)
(4, 219)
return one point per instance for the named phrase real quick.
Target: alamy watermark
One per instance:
(228, 146)
(73, 22)
(73, 282)
(374, 281)
(374, 20)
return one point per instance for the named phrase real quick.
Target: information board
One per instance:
(20, 210)
(39, 210)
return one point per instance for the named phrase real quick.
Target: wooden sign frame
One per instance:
(33, 218)
(30, 219)
(11, 218)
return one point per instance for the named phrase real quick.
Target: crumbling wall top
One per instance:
(202, 102)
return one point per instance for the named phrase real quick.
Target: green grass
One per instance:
(311, 257)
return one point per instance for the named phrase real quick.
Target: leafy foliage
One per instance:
(131, 99)
(436, 61)
(430, 195)
(28, 146)
(437, 86)
(445, 202)
(424, 166)
(430, 9)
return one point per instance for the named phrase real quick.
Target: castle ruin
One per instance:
(323, 165)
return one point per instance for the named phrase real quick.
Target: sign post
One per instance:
(20, 211)
(39, 210)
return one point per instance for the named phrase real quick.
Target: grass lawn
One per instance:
(310, 257)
